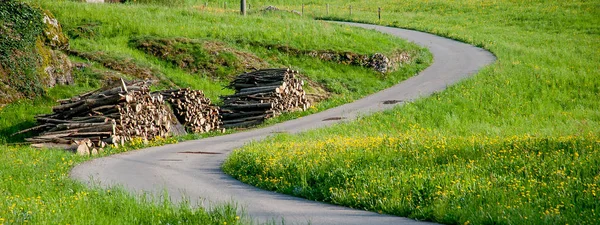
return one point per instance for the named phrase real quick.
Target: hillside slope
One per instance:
(31, 57)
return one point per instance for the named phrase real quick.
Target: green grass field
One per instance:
(34, 184)
(516, 144)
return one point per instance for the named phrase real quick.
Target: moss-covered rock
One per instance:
(54, 66)
(31, 60)
(53, 35)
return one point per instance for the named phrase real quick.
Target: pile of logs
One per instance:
(192, 109)
(262, 94)
(122, 112)
(112, 115)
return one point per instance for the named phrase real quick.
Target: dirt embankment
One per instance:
(212, 58)
(377, 61)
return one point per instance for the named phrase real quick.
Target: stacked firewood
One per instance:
(107, 116)
(262, 94)
(193, 109)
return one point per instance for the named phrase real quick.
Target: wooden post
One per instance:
(379, 13)
(328, 9)
(243, 7)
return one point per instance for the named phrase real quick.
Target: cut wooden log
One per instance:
(236, 115)
(83, 150)
(192, 109)
(254, 106)
(40, 127)
(112, 115)
(263, 94)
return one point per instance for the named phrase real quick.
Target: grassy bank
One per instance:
(34, 183)
(517, 143)
(36, 189)
(113, 36)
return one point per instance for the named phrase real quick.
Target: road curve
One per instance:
(199, 177)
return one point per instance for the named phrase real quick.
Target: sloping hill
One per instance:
(31, 57)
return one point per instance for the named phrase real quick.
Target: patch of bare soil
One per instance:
(315, 91)
(124, 65)
(212, 58)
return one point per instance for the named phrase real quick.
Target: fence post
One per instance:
(224, 5)
(328, 9)
(350, 10)
(379, 13)
(243, 7)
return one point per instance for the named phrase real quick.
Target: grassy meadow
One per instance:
(516, 144)
(34, 184)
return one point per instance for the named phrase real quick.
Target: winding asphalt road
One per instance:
(199, 177)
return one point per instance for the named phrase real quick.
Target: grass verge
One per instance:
(36, 189)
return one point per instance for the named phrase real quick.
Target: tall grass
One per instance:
(425, 175)
(470, 153)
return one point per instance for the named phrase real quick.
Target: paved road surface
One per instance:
(198, 176)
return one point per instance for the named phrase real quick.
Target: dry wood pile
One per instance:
(262, 94)
(193, 109)
(107, 116)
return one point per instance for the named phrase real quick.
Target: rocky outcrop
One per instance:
(32, 57)
(55, 67)
(53, 35)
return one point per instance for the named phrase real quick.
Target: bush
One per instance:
(20, 26)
